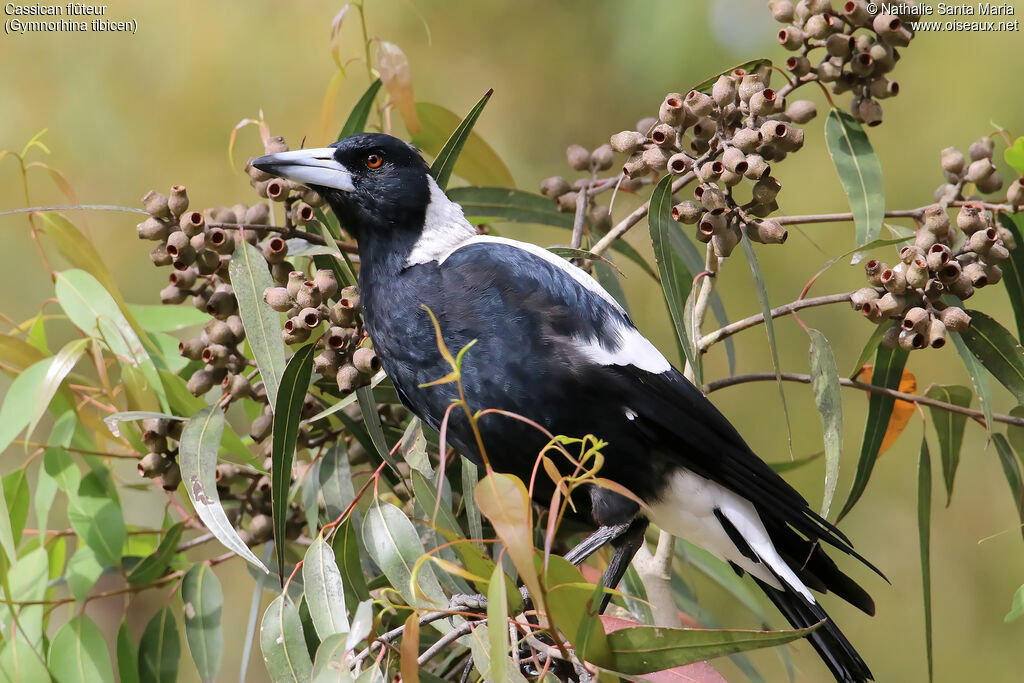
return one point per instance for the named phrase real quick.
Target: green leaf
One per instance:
(924, 526)
(676, 280)
(371, 421)
(325, 592)
(78, 653)
(160, 649)
(127, 655)
(92, 309)
(152, 567)
(1013, 267)
(1017, 608)
(753, 65)
(162, 318)
(356, 121)
(20, 401)
(487, 204)
(470, 478)
(329, 665)
(96, 517)
(346, 552)
(203, 598)
(249, 278)
(26, 580)
(949, 427)
(769, 327)
(394, 544)
(83, 570)
(287, 415)
(888, 370)
(978, 378)
(644, 649)
(20, 662)
(870, 347)
(282, 643)
(1012, 469)
(63, 363)
(572, 606)
(197, 457)
(477, 162)
(335, 480)
(497, 618)
(998, 351)
(1014, 156)
(825, 383)
(16, 493)
(859, 172)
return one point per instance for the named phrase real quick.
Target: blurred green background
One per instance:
(125, 113)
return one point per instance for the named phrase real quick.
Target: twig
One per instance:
(638, 215)
(843, 381)
(582, 197)
(718, 335)
(465, 628)
(286, 232)
(902, 213)
(655, 575)
(393, 634)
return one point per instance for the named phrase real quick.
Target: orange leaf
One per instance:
(393, 66)
(901, 410)
(410, 650)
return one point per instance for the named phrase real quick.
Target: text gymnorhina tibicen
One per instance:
(553, 346)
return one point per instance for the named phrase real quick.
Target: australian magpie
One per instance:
(553, 346)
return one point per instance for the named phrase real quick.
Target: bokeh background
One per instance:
(125, 113)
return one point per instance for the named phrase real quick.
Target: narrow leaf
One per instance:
(752, 66)
(162, 318)
(356, 121)
(676, 280)
(204, 600)
(282, 643)
(497, 619)
(924, 526)
(489, 204)
(393, 66)
(287, 415)
(409, 650)
(63, 363)
(250, 276)
(504, 500)
(769, 327)
(197, 456)
(160, 649)
(949, 427)
(1013, 267)
(998, 351)
(1012, 469)
(888, 371)
(825, 383)
(444, 161)
(859, 172)
(978, 378)
(127, 655)
(1017, 607)
(153, 567)
(325, 592)
(478, 163)
(645, 649)
(371, 420)
(78, 653)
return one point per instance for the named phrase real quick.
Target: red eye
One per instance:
(374, 160)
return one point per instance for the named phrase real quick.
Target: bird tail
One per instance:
(831, 645)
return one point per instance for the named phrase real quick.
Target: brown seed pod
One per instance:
(365, 361)
(671, 111)
(625, 142)
(275, 250)
(348, 378)
(578, 157)
(767, 232)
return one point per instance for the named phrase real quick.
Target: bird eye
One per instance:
(374, 160)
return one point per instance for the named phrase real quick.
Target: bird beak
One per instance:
(309, 167)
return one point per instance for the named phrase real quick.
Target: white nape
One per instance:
(687, 510)
(445, 228)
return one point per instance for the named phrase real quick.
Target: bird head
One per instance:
(376, 184)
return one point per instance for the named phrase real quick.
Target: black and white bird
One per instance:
(553, 346)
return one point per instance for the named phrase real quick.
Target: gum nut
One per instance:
(192, 223)
(172, 295)
(979, 170)
(699, 104)
(911, 341)
(869, 112)
(152, 229)
(769, 232)
(277, 190)
(687, 212)
(200, 382)
(936, 334)
(255, 174)
(782, 10)
(946, 193)
(348, 378)
(310, 318)
(750, 84)
(840, 45)
(954, 318)
(746, 139)
(645, 125)
(220, 241)
(936, 220)
(663, 135)
(275, 250)
(257, 214)
(578, 157)
(798, 65)
(970, 218)
(309, 295)
(863, 296)
(554, 186)
(990, 184)
(177, 202)
(365, 361)
(327, 282)
(156, 204)
(294, 332)
(952, 160)
(801, 111)
(567, 202)
(915, 319)
(1015, 193)
(219, 332)
(724, 90)
(790, 38)
(171, 478)
(757, 167)
(160, 257)
(671, 111)
(981, 148)
(625, 142)
(680, 163)
(856, 12)
(275, 145)
(326, 363)
(302, 213)
(924, 239)
(278, 298)
(656, 158)
(891, 338)
(883, 87)
(816, 26)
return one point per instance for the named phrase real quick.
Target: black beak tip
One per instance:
(265, 163)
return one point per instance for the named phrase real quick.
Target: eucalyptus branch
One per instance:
(885, 391)
(465, 628)
(718, 335)
(288, 232)
(638, 215)
(394, 634)
(917, 213)
(655, 574)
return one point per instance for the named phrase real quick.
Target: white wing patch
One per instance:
(445, 229)
(687, 510)
(633, 349)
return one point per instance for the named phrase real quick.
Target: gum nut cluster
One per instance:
(721, 139)
(939, 262)
(591, 162)
(978, 169)
(853, 48)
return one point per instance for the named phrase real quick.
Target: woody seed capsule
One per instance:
(979, 170)
(723, 92)
(671, 110)
(626, 142)
(746, 140)
(952, 160)
(687, 212)
(768, 232)
(578, 157)
(603, 157)
(873, 270)
(981, 148)
(680, 163)
(663, 135)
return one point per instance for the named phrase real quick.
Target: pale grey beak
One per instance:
(309, 167)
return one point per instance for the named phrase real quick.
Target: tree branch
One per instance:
(902, 213)
(286, 232)
(638, 215)
(843, 381)
(718, 335)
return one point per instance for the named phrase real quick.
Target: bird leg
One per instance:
(626, 538)
(589, 545)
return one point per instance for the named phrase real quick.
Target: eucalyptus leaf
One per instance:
(287, 415)
(204, 600)
(78, 653)
(1013, 267)
(998, 351)
(356, 122)
(96, 517)
(250, 276)
(160, 649)
(127, 655)
(860, 173)
(153, 567)
(197, 457)
(949, 427)
(283, 644)
(924, 525)
(825, 384)
(325, 592)
(978, 378)
(1012, 469)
